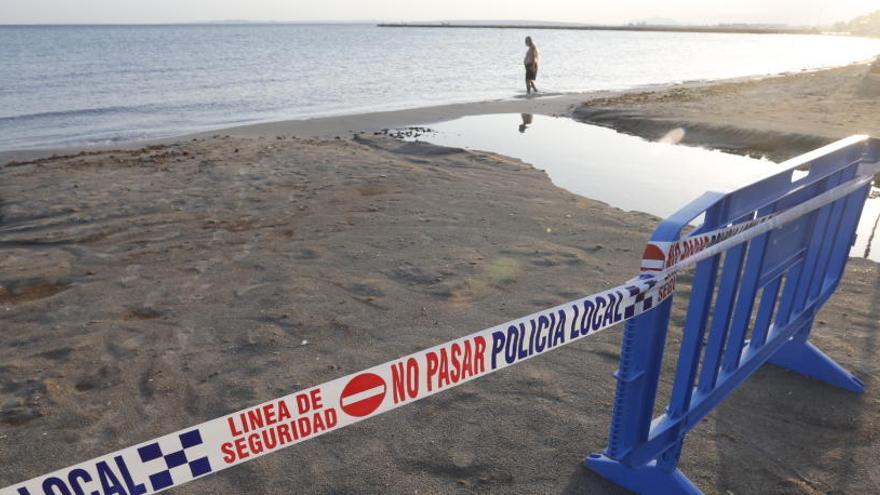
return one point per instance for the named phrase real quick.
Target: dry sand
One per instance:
(148, 289)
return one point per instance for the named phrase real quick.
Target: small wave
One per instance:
(70, 113)
(146, 109)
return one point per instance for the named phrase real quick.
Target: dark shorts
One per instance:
(531, 72)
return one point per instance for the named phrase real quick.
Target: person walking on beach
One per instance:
(531, 62)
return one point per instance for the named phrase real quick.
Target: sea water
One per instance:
(73, 85)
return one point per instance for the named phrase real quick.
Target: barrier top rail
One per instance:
(839, 157)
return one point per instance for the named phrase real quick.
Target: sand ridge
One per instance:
(778, 117)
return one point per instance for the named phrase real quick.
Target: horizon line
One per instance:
(378, 21)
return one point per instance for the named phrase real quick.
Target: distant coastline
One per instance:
(727, 29)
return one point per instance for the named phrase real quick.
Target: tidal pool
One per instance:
(622, 170)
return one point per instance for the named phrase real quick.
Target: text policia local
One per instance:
(306, 414)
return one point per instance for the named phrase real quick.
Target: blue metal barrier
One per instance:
(758, 300)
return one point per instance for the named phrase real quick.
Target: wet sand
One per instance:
(148, 289)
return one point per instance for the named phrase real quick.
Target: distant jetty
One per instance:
(723, 28)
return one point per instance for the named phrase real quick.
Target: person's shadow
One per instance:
(526, 122)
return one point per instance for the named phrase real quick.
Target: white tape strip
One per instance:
(204, 449)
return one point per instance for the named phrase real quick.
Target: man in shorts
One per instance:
(531, 62)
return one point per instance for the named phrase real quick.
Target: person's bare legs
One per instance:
(530, 86)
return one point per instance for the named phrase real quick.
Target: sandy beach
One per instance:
(149, 288)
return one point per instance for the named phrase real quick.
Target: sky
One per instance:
(801, 12)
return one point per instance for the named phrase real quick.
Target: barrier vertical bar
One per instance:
(637, 377)
(692, 343)
(765, 313)
(744, 305)
(730, 279)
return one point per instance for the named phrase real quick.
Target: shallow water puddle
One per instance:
(624, 171)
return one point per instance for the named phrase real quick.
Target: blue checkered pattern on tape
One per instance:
(643, 302)
(175, 463)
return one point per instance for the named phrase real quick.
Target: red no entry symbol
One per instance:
(363, 395)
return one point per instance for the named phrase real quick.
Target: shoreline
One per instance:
(338, 125)
(569, 105)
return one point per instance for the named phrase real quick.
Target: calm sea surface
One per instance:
(74, 85)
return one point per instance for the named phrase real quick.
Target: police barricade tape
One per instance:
(195, 452)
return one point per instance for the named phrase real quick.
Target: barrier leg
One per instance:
(647, 480)
(807, 359)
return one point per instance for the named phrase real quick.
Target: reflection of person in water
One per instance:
(527, 121)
